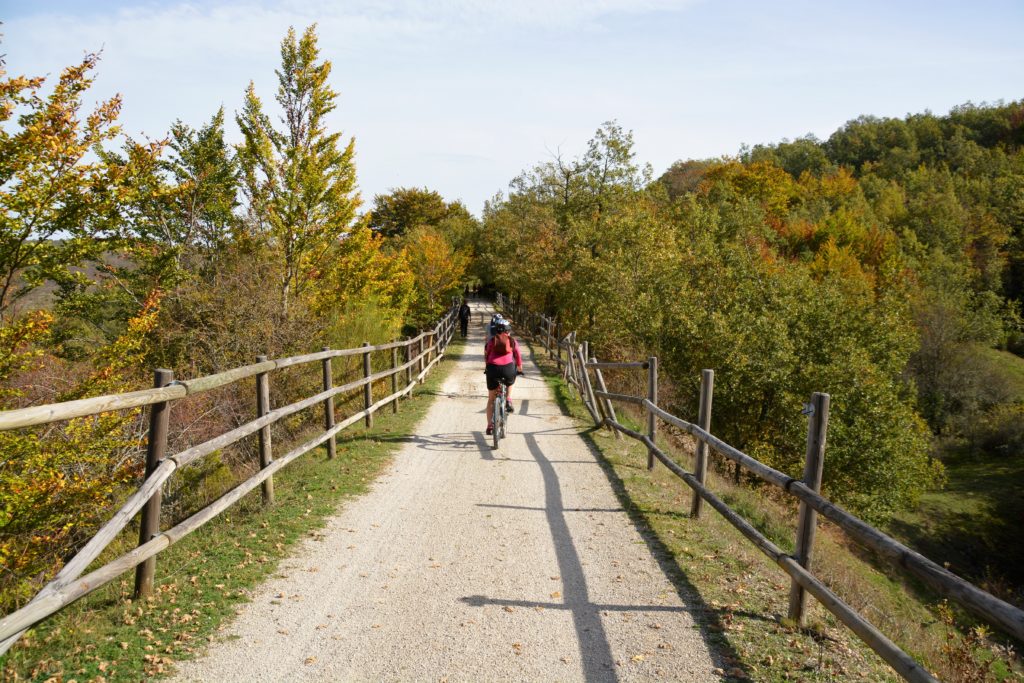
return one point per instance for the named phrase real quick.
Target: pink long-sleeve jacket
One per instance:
(491, 359)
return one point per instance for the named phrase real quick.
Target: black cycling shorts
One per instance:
(500, 373)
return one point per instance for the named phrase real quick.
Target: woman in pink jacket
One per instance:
(501, 353)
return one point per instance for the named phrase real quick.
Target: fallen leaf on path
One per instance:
(556, 594)
(310, 661)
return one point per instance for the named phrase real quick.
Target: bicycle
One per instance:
(500, 416)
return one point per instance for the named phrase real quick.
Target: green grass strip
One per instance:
(202, 581)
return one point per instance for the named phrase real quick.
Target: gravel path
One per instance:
(469, 564)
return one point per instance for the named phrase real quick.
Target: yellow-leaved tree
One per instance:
(438, 271)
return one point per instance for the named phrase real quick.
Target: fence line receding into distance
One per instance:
(422, 353)
(576, 370)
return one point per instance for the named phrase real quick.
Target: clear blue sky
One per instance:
(461, 95)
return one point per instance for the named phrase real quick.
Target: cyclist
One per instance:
(494, 323)
(464, 313)
(501, 354)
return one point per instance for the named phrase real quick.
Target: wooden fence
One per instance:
(421, 354)
(577, 368)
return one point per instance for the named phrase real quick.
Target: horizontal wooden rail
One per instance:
(943, 581)
(622, 398)
(68, 410)
(899, 660)
(66, 587)
(619, 366)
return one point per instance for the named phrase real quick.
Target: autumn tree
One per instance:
(57, 205)
(437, 270)
(66, 205)
(300, 182)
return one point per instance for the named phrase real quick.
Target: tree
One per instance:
(204, 173)
(405, 208)
(437, 270)
(57, 207)
(299, 182)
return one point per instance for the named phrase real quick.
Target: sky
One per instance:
(460, 96)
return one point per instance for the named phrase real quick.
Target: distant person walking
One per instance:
(464, 314)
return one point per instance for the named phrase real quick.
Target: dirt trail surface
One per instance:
(470, 564)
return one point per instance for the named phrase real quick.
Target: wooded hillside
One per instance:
(869, 266)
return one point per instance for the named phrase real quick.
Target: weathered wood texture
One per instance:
(609, 409)
(652, 396)
(328, 383)
(700, 467)
(900, 661)
(814, 465)
(265, 440)
(55, 412)
(622, 398)
(156, 449)
(68, 587)
(982, 604)
(619, 366)
(943, 581)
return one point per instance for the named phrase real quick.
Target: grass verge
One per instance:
(746, 595)
(202, 581)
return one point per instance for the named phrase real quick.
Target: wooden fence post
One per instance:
(156, 448)
(420, 355)
(332, 444)
(573, 363)
(408, 369)
(266, 445)
(652, 396)
(813, 467)
(598, 405)
(558, 345)
(700, 468)
(586, 391)
(367, 388)
(608, 407)
(394, 377)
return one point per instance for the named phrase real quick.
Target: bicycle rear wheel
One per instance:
(498, 422)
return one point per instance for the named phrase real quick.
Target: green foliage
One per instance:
(299, 182)
(58, 208)
(784, 285)
(404, 208)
